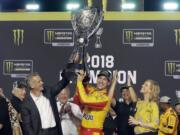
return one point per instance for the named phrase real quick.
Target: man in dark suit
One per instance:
(39, 111)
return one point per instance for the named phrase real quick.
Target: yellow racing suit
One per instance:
(168, 123)
(96, 105)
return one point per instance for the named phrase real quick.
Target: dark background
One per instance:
(148, 62)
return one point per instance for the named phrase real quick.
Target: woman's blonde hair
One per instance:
(155, 90)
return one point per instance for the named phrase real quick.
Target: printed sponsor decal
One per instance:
(17, 68)
(138, 37)
(59, 37)
(172, 69)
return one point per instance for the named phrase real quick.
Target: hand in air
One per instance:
(80, 75)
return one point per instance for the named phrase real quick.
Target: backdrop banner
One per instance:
(139, 45)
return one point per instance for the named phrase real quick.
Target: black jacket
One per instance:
(30, 114)
(110, 125)
(123, 112)
(4, 118)
(16, 102)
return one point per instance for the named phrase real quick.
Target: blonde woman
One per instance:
(146, 118)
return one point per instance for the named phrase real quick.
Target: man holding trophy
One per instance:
(95, 100)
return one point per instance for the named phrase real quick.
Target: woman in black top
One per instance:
(18, 95)
(124, 109)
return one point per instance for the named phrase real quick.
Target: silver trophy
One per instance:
(85, 23)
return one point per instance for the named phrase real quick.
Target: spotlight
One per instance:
(170, 6)
(32, 6)
(72, 6)
(128, 6)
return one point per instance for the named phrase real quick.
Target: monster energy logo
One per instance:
(129, 35)
(50, 35)
(171, 67)
(177, 34)
(9, 66)
(18, 35)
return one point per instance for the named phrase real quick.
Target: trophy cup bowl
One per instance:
(85, 23)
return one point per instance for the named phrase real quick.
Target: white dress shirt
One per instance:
(45, 111)
(68, 125)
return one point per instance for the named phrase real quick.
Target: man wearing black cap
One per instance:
(124, 109)
(96, 101)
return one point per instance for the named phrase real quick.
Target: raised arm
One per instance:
(113, 85)
(60, 85)
(113, 102)
(131, 90)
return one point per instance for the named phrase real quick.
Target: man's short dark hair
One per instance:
(124, 87)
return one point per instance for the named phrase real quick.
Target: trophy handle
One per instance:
(98, 25)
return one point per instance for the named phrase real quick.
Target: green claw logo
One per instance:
(177, 35)
(18, 36)
(171, 67)
(9, 66)
(129, 36)
(50, 35)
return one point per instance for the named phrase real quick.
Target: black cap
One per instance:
(105, 73)
(19, 84)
